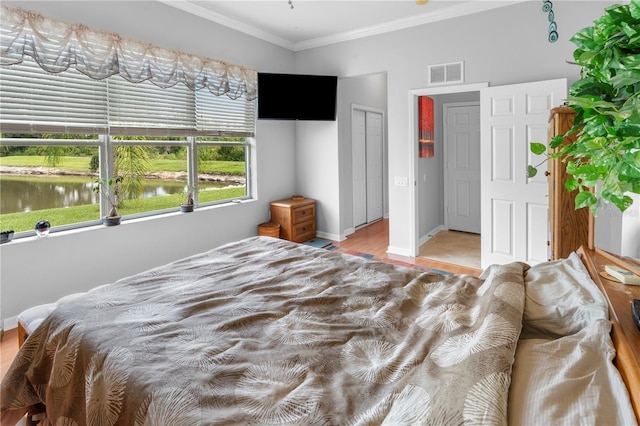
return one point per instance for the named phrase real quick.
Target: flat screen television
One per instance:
(297, 97)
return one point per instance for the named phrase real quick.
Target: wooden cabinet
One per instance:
(568, 228)
(297, 219)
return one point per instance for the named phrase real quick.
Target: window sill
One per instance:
(97, 225)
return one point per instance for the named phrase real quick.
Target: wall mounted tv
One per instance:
(297, 97)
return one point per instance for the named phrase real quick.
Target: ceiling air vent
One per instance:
(446, 73)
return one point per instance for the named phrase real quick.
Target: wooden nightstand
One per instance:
(625, 334)
(297, 219)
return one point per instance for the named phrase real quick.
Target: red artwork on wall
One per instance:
(425, 127)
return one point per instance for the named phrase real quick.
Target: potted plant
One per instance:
(110, 189)
(604, 159)
(188, 204)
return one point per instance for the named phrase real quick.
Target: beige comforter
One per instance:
(264, 331)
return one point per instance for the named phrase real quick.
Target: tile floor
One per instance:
(459, 248)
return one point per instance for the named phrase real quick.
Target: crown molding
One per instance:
(468, 8)
(187, 6)
(400, 24)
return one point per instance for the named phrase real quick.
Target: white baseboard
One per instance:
(424, 239)
(431, 234)
(399, 251)
(9, 323)
(328, 236)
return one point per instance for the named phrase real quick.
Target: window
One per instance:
(154, 173)
(159, 140)
(222, 169)
(44, 180)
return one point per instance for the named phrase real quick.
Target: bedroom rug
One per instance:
(318, 242)
(338, 249)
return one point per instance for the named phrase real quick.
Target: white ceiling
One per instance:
(313, 23)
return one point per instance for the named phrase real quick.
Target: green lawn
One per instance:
(75, 164)
(81, 164)
(25, 221)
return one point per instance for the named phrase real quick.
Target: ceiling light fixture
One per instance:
(421, 2)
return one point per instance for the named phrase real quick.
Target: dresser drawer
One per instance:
(304, 231)
(303, 214)
(297, 219)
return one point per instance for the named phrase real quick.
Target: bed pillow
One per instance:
(569, 381)
(560, 299)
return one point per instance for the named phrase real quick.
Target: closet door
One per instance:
(359, 166)
(367, 166)
(374, 166)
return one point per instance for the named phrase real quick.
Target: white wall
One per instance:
(317, 173)
(501, 46)
(35, 271)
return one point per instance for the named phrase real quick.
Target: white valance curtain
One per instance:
(56, 46)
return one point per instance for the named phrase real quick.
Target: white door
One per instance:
(374, 166)
(514, 219)
(462, 167)
(367, 166)
(359, 167)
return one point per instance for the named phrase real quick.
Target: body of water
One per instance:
(23, 194)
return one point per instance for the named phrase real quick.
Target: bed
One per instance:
(265, 331)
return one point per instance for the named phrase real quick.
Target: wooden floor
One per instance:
(373, 239)
(8, 349)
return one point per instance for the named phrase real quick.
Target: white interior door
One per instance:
(462, 167)
(374, 166)
(514, 217)
(359, 169)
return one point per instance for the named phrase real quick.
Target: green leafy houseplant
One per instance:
(604, 159)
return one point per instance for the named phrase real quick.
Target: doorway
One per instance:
(417, 234)
(367, 165)
(458, 240)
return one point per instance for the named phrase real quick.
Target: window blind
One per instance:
(35, 101)
(219, 115)
(146, 109)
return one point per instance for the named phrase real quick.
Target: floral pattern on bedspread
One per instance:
(264, 331)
